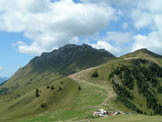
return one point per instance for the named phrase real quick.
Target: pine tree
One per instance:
(37, 93)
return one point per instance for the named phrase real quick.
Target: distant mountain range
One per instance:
(2, 79)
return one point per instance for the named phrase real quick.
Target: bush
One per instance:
(95, 74)
(52, 87)
(60, 88)
(79, 88)
(43, 105)
(48, 87)
(37, 93)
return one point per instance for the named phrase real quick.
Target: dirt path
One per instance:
(131, 58)
(77, 77)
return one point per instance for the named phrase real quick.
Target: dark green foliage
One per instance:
(95, 74)
(52, 87)
(43, 105)
(79, 88)
(122, 91)
(4, 91)
(147, 75)
(70, 58)
(61, 82)
(3, 83)
(124, 73)
(128, 104)
(37, 92)
(48, 87)
(60, 88)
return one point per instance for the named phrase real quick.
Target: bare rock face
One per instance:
(69, 58)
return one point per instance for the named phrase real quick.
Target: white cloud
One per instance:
(145, 15)
(114, 42)
(118, 37)
(151, 41)
(1, 68)
(141, 19)
(125, 26)
(51, 25)
(105, 45)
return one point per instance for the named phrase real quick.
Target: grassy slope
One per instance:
(28, 104)
(104, 87)
(130, 118)
(83, 105)
(104, 71)
(50, 67)
(79, 105)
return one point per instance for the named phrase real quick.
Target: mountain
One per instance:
(70, 58)
(135, 81)
(46, 91)
(2, 79)
(52, 66)
(146, 54)
(42, 71)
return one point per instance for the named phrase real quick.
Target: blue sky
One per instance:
(30, 27)
(11, 59)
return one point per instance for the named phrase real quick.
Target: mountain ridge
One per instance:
(2, 79)
(63, 97)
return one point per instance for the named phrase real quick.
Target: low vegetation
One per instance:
(129, 84)
(143, 75)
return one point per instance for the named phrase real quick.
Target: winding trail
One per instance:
(77, 77)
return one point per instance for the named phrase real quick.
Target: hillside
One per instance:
(2, 79)
(44, 71)
(52, 66)
(110, 95)
(136, 80)
(130, 118)
(130, 84)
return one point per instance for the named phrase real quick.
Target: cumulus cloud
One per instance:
(52, 24)
(152, 41)
(144, 15)
(107, 46)
(114, 42)
(118, 37)
(1, 68)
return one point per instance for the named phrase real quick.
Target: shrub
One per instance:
(43, 105)
(79, 88)
(52, 87)
(95, 74)
(37, 93)
(60, 88)
(48, 87)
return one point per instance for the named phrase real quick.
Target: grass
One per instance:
(130, 118)
(69, 104)
(85, 103)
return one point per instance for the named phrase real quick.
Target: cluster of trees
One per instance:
(146, 75)
(4, 91)
(124, 96)
(124, 74)
(51, 87)
(122, 91)
(128, 104)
